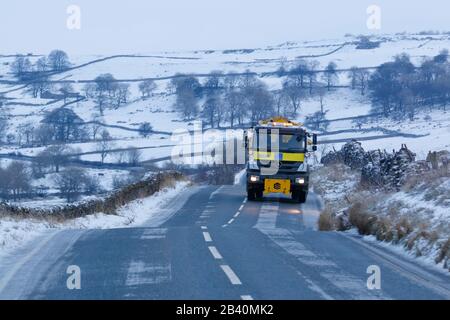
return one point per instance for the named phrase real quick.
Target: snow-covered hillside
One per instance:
(426, 132)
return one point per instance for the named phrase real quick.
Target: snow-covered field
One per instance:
(21, 108)
(15, 233)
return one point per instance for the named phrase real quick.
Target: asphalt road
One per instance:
(210, 243)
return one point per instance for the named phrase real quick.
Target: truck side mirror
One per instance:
(314, 139)
(314, 148)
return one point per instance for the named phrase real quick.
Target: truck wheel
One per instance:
(299, 196)
(259, 194)
(302, 197)
(251, 195)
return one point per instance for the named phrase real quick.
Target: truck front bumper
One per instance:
(299, 182)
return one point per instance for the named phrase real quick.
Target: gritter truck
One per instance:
(276, 150)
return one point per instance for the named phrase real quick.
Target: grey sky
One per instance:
(159, 25)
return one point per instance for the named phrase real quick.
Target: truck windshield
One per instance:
(286, 142)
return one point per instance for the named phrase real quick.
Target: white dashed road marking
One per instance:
(231, 275)
(246, 297)
(234, 279)
(236, 214)
(207, 237)
(215, 253)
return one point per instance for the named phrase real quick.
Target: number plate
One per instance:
(277, 186)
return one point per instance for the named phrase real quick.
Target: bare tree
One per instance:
(38, 85)
(16, 179)
(101, 101)
(121, 94)
(95, 125)
(312, 74)
(26, 130)
(317, 121)
(231, 81)
(353, 76)
(147, 87)
(105, 145)
(66, 125)
(120, 156)
(44, 134)
(182, 82)
(249, 80)
(106, 83)
(92, 184)
(66, 89)
(3, 125)
(330, 74)
(55, 156)
(212, 110)
(233, 102)
(259, 102)
(321, 93)
(145, 129)
(40, 165)
(71, 182)
(106, 91)
(58, 60)
(281, 101)
(300, 72)
(134, 156)
(41, 65)
(293, 92)
(363, 79)
(20, 66)
(213, 82)
(89, 90)
(187, 103)
(4, 180)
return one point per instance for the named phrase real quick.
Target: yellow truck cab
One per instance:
(276, 159)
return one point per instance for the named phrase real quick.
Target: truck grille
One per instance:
(283, 166)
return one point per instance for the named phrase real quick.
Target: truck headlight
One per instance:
(254, 178)
(300, 180)
(253, 165)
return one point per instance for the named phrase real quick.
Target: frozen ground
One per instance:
(425, 207)
(16, 232)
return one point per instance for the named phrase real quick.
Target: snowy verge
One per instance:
(239, 178)
(14, 233)
(414, 220)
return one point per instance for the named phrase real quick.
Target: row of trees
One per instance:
(107, 92)
(62, 126)
(396, 88)
(37, 75)
(24, 69)
(59, 126)
(16, 179)
(399, 88)
(234, 99)
(16, 182)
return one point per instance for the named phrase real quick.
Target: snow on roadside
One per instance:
(414, 221)
(239, 177)
(425, 260)
(14, 233)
